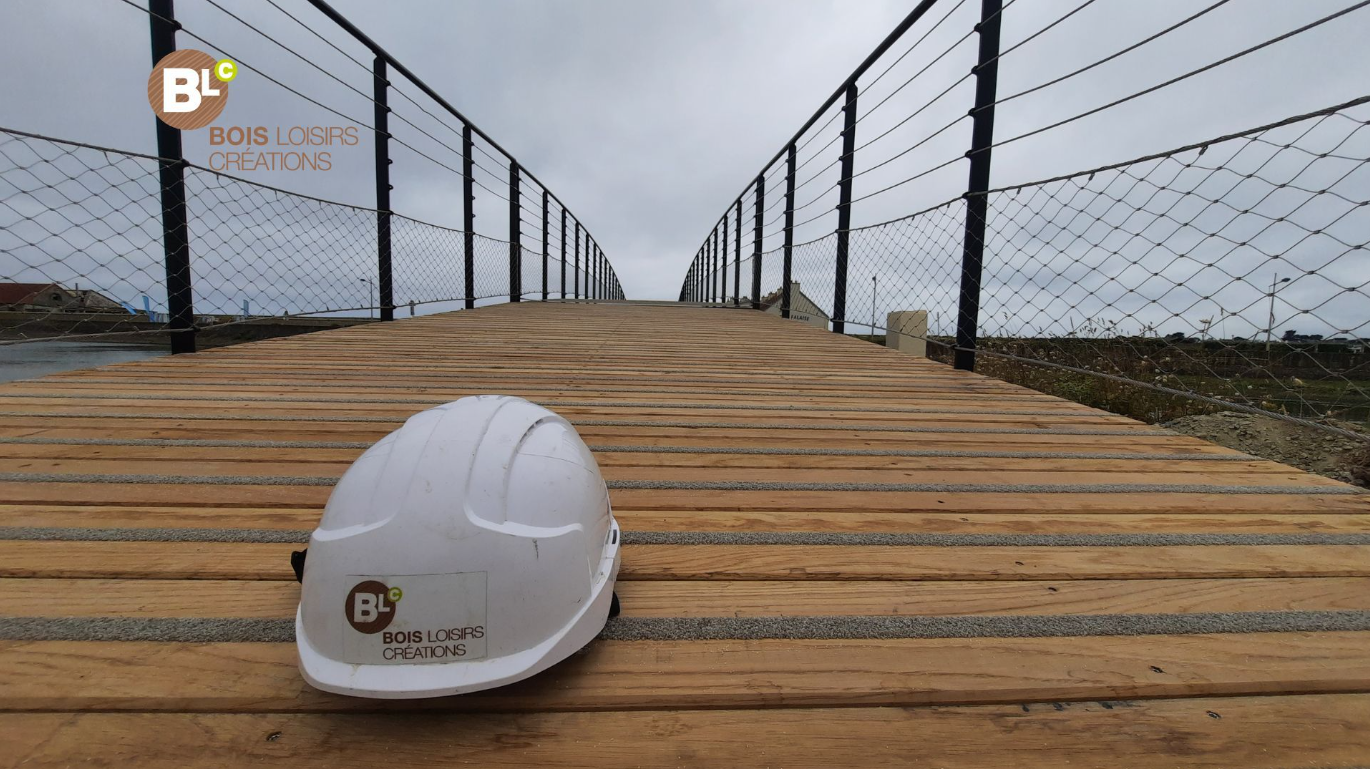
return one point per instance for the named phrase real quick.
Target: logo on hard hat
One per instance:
(370, 606)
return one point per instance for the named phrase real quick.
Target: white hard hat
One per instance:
(471, 548)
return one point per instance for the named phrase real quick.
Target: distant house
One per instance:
(22, 297)
(802, 308)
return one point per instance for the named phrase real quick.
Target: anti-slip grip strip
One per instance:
(237, 630)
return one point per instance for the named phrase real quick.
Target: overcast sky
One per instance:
(647, 117)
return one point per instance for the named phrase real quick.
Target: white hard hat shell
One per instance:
(471, 548)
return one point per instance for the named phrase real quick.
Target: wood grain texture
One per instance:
(1328, 731)
(271, 561)
(619, 675)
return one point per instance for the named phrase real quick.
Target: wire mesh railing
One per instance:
(97, 241)
(1224, 273)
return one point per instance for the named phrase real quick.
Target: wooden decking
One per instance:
(835, 555)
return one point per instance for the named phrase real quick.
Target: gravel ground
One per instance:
(1334, 456)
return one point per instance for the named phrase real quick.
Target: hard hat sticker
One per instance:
(413, 618)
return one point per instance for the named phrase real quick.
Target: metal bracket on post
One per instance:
(515, 236)
(171, 171)
(982, 140)
(756, 239)
(563, 252)
(469, 214)
(544, 244)
(789, 231)
(737, 252)
(839, 298)
(382, 123)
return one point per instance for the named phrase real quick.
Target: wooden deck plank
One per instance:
(1317, 730)
(704, 519)
(232, 560)
(620, 675)
(1282, 476)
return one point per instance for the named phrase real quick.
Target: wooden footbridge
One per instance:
(835, 555)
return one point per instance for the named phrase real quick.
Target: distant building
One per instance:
(802, 308)
(21, 297)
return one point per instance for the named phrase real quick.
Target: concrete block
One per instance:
(907, 332)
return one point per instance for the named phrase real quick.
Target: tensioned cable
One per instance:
(1122, 164)
(1186, 76)
(249, 182)
(1109, 58)
(1172, 81)
(326, 41)
(309, 99)
(872, 83)
(928, 104)
(339, 80)
(396, 88)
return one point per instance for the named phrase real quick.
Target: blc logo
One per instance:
(188, 88)
(370, 606)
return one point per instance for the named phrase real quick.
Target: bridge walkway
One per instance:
(835, 555)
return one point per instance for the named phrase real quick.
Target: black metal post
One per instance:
(789, 231)
(575, 270)
(756, 239)
(982, 139)
(515, 236)
(382, 123)
(469, 214)
(713, 267)
(737, 252)
(563, 252)
(708, 271)
(839, 297)
(544, 244)
(724, 272)
(175, 230)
